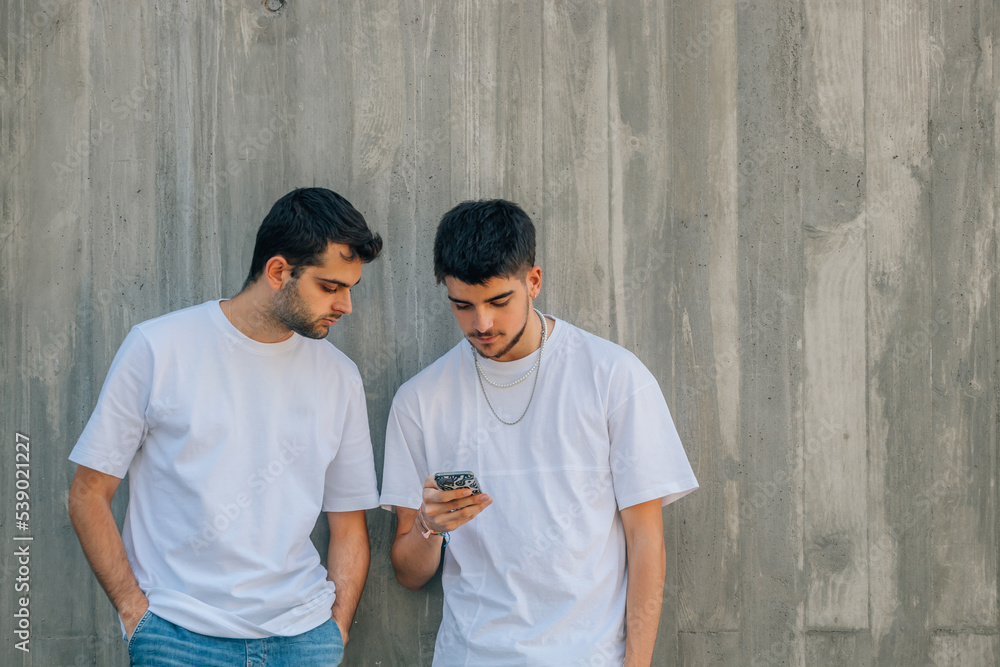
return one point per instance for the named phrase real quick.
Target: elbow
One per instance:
(76, 501)
(406, 577)
(409, 583)
(84, 498)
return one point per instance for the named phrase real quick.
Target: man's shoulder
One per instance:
(600, 349)
(586, 355)
(184, 317)
(440, 373)
(328, 353)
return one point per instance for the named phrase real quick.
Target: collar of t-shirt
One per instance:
(503, 372)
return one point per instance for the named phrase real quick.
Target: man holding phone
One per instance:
(568, 436)
(238, 425)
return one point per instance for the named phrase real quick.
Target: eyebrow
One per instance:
(331, 281)
(492, 298)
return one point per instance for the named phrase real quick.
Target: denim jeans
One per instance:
(159, 643)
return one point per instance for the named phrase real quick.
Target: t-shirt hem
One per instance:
(391, 502)
(99, 463)
(666, 494)
(366, 502)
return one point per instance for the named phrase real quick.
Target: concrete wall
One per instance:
(786, 208)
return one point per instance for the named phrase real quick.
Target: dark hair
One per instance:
(303, 223)
(480, 240)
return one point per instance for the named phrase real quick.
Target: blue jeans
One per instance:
(159, 643)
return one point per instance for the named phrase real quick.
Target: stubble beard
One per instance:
(290, 312)
(513, 342)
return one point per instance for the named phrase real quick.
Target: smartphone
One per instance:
(460, 479)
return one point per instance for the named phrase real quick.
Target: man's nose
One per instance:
(343, 303)
(483, 320)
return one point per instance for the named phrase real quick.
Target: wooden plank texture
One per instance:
(835, 447)
(640, 243)
(964, 364)
(575, 145)
(787, 208)
(899, 306)
(770, 279)
(839, 649)
(702, 249)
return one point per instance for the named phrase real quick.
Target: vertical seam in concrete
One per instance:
(544, 210)
(995, 297)
(867, 332)
(609, 164)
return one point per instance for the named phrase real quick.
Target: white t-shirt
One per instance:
(538, 578)
(233, 448)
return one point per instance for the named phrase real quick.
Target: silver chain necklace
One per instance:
(480, 373)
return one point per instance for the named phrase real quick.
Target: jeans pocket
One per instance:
(138, 626)
(337, 633)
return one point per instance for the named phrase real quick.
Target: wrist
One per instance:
(422, 524)
(134, 607)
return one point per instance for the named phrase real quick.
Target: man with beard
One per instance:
(238, 425)
(573, 446)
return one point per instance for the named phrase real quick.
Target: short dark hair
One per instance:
(480, 240)
(303, 223)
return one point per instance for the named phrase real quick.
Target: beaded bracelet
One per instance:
(426, 530)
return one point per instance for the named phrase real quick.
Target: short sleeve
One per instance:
(350, 479)
(405, 466)
(647, 458)
(118, 424)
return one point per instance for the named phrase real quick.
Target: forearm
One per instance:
(90, 513)
(647, 566)
(415, 558)
(348, 557)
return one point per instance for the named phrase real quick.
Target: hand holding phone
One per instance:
(443, 509)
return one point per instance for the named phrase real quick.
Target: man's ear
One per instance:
(277, 271)
(533, 279)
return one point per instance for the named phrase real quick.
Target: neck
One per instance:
(530, 341)
(249, 311)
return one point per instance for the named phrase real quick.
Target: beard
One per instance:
(291, 312)
(509, 346)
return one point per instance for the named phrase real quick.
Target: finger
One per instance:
(438, 510)
(461, 516)
(465, 500)
(437, 496)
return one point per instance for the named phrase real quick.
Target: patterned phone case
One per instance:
(462, 479)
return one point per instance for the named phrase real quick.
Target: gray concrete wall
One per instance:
(787, 208)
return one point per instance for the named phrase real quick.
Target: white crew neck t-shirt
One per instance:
(233, 448)
(538, 578)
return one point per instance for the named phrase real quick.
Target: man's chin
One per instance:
(316, 332)
(491, 350)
